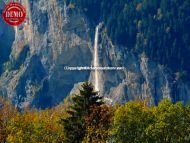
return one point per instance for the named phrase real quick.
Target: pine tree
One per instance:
(74, 125)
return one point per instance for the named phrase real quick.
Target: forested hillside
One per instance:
(158, 28)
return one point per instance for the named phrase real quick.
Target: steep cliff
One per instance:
(57, 34)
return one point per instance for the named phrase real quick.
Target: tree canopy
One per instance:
(84, 118)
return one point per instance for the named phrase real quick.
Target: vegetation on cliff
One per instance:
(157, 28)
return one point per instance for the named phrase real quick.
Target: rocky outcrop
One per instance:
(142, 79)
(57, 34)
(6, 39)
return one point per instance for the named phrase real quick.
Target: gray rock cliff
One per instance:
(56, 35)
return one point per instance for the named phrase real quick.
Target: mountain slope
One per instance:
(137, 35)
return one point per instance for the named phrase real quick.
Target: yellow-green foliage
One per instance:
(134, 122)
(130, 121)
(7, 112)
(30, 126)
(35, 127)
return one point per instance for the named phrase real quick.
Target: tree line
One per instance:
(85, 118)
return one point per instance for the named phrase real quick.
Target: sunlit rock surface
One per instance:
(56, 35)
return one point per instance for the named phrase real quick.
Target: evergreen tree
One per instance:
(74, 125)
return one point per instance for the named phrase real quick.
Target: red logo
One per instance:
(14, 14)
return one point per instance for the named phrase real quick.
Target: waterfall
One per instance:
(96, 59)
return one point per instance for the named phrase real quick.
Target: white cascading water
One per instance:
(96, 59)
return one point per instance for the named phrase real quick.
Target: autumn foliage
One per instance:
(85, 118)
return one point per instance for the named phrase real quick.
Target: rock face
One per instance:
(6, 39)
(57, 34)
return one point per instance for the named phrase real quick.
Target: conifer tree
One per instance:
(74, 125)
